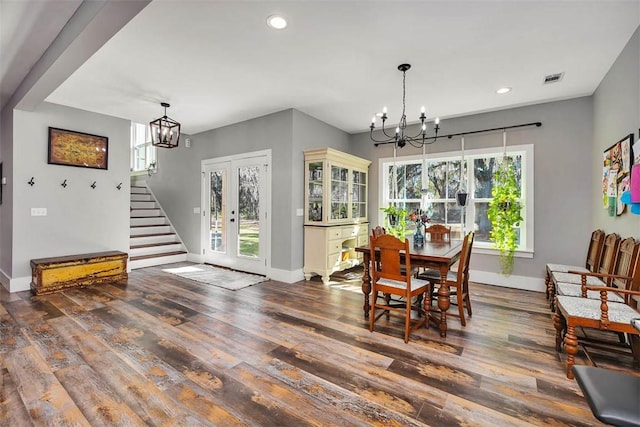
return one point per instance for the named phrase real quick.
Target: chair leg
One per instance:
(407, 320)
(467, 298)
(571, 348)
(372, 315)
(559, 324)
(460, 298)
(547, 290)
(427, 307)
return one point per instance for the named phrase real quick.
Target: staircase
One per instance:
(153, 241)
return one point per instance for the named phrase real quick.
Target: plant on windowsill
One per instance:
(395, 221)
(504, 214)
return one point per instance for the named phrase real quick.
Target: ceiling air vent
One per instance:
(553, 78)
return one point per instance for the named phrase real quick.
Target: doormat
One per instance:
(228, 279)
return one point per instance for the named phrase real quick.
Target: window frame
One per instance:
(526, 248)
(150, 150)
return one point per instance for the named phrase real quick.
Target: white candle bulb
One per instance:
(422, 110)
(437, 120)
(384, 110)
(373, 120)
(397, 130)
(424, 127)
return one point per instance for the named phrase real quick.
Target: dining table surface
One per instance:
(435, 255)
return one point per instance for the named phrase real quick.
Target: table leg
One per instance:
(443, 300)
(366, 283)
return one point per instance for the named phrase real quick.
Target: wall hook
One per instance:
(119, 186)
(64, 183)
(93, 185)
(31, 182)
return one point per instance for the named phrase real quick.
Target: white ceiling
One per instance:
(218, 63)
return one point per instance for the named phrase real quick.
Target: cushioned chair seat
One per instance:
(614, 397)
(590, 309)
(415, 283)
(563, 268)
(432, 275)
(572, 290)
(576, 279)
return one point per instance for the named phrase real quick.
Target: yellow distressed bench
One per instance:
(58, 273)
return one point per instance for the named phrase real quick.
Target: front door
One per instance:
(236, 232)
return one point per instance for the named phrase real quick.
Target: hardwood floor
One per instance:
(162, 350)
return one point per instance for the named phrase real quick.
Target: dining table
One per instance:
(435, 255)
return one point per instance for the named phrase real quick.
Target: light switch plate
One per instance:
(299, 212)
(38, 211)
(196, 210)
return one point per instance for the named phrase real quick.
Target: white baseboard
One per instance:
(20, 284)
(197, 258)
(515, 282)
(286, 276)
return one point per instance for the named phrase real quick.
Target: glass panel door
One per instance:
(235, 214)
(316, 190)
(339, 192)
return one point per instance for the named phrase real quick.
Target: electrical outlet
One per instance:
(299, 212)
(38, 211)
(196, 210)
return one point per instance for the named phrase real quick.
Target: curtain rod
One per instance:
(536, 124)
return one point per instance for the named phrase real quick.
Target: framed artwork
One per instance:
(616, 174)
(70, 148)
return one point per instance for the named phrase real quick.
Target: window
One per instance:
(437, 196)
(143, 153)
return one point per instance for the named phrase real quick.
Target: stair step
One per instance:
(139, 257)
(148, 221)
(151, 245)
(155, 238)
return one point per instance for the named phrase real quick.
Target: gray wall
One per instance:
(562, 200)
(6, 209)
(616, 107)
(80, 219)
(287, 133)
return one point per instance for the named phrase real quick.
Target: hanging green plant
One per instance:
(395, 221)
(504, 214)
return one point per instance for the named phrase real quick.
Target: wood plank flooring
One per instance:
(161, 350)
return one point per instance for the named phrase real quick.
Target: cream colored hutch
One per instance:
(335, 214)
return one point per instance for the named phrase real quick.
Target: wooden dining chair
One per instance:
(608, 258)
(624, 265)
(458, 281)
(592, 263)
(573, 314)
(438, 233)
(378, 231)
(387, 276)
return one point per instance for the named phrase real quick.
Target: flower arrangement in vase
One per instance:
(420, 219)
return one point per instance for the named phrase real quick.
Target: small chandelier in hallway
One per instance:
(165, 132)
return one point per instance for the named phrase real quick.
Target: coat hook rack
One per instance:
(119, 186)
(31, 182)
(93, 185)
(64, 184)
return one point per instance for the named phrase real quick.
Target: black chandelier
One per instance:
(165, 132)
(400, 138)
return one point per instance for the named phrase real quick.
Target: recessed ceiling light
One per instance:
(503, 90)
(277, 22)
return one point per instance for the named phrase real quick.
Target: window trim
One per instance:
(147, 145)
(527, 150)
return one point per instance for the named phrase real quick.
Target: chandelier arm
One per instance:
(381, 141)
(384, 131)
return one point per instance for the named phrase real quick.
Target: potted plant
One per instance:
(504, 214)
(395, 221)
